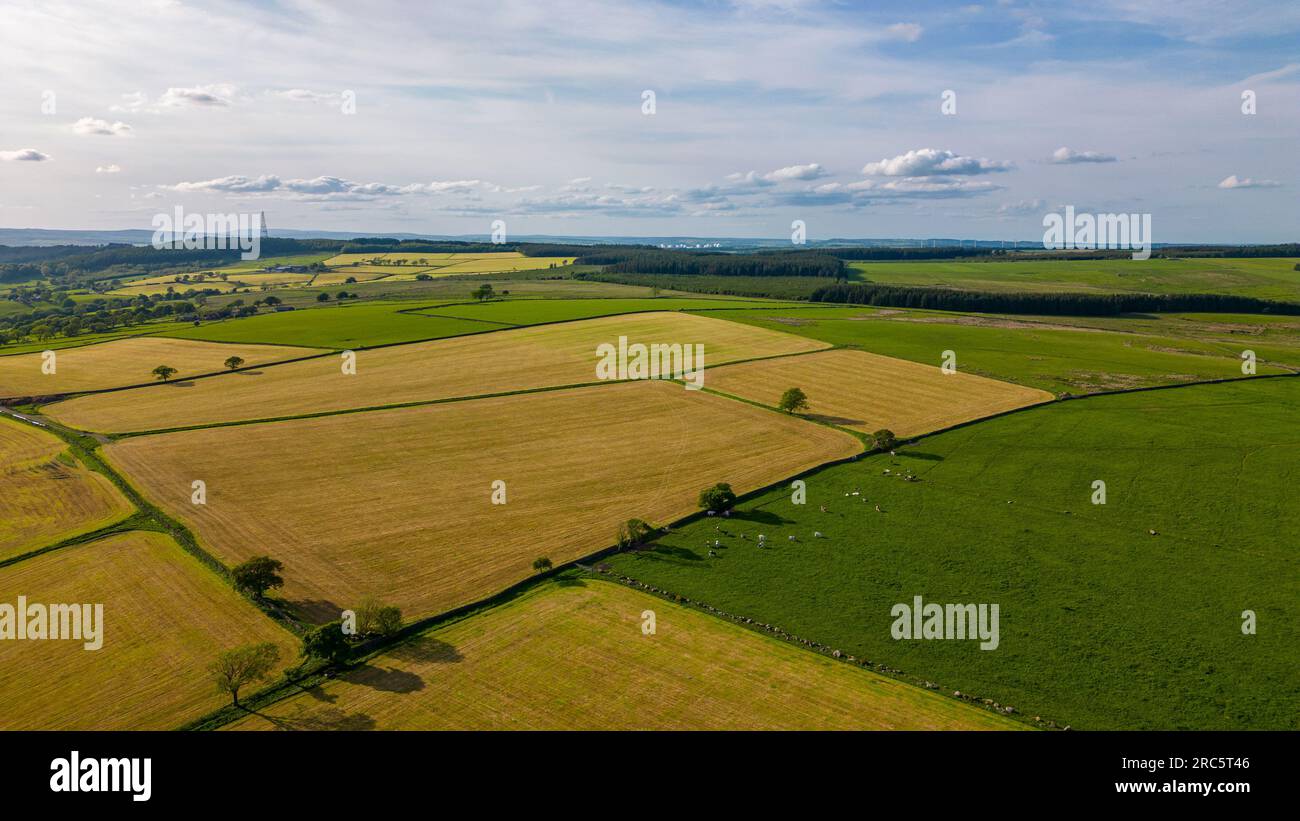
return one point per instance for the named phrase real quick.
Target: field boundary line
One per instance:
(133, 521)
(86, 449)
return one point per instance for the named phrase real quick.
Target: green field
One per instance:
(337, 326)
(1053, 356)
(1103, 625)
(534, 311)
(1264, 278)
(354, 325)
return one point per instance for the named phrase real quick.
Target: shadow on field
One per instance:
(426, 649)
(762, 517)
(911, 454)
(388, 680)
(249, 373)
(668, 553)
(330, 718)
(834, 420)
(185, 383)
(317, 611)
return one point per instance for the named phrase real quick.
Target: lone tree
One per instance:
(164, 372)
(272, 300)
(257, 575)
(375, 617)
(327, 643)
(633, 532)
(243, 665)
(483, 292)
(322, 297)
(542, 565)
(235, 362)
(793, 401)
(885, 439)
(718, 497)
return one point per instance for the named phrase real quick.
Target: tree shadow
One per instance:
(570, 582)
(426, 649)
(317, 611)
(668, 553)
(330, 718)
(834, 420)
(388, 680)
(912, 454)
(184, 383)
(249, 373)
(760, 517)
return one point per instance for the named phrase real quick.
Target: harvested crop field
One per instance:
(573, 657)
(165, 617)
(46, 495)
(397, 503)
(867, 392)
(127, 362)
(497, 362)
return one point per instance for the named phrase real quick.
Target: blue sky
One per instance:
(765, 112)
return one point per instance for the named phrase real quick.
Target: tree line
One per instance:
(1048, 304)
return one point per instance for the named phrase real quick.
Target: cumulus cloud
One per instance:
(929, 162)
(303, 95)
(219, 95)
(811, 171)
(1068, 156)
(908, 32)
(1233, 181)
(24, 155)
(108, 169)
(90, 126)
(1020, 208)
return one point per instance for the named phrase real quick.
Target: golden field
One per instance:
(128, 362)
(573, 657)
(46, 495)
(867, 392)
(165, 618)
(497, 362)
(417, 258)
(397, 503)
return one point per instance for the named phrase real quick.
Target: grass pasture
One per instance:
(336, 327)
(866, 392)
(505, 360)
(46, 495)
(127, 361)
(572, 657)
(534, 311)
(1103, 625)
(397, 503)
(1052, 356)
(165, 617)
(1264, 278)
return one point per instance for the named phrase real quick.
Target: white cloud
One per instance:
(1068, 156)
(926, 162)
(24, 155)
(1020, 208)
(1233, 181)
(219, 95)
(108, 169)
(303, 95)
(811, 171)
(908, 32)
(88, 126)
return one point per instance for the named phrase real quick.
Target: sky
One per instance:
(709, 119)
